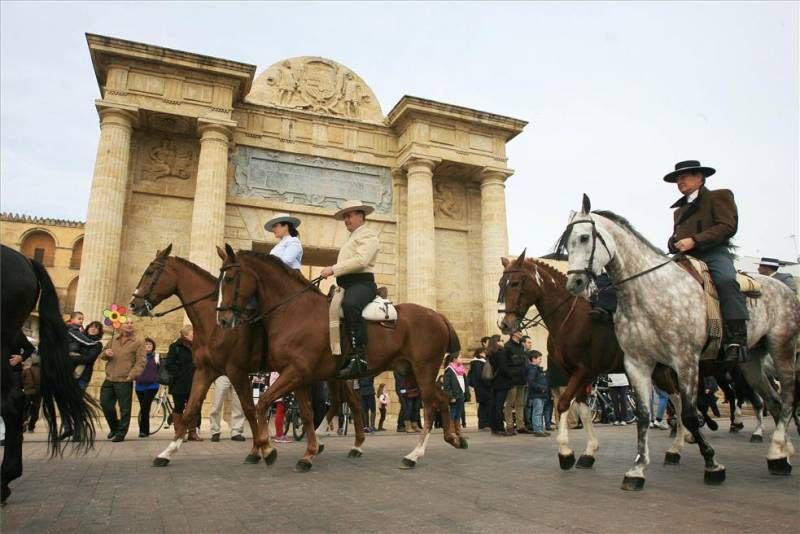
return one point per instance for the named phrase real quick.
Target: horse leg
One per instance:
(640, 373)
(577, 382)
(241, 384)
(714, 472)
(780, 448)
(566, 458)
(354, 401)
(586, 461)
(201, 381)
(410, 460)
(12, 452)
(313, 447)
(673, 454)
(286, 382)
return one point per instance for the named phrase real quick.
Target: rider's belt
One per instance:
(349, 280)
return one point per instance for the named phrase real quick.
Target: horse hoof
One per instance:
(160, 462)
(408, 464)
(5, 493)
(755, 438)
(303, 466)
(712, 425)
(736, 427)
(462, 443)
(566, 462)
(585, 462)
(714, 478)
(354, 453)
(672, 458)
(633, 483)
(252, 459)
(780, 466)
(320, 449)
(271, 457)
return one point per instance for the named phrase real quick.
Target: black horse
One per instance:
(24, 282)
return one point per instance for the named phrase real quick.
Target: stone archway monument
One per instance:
(196, 151)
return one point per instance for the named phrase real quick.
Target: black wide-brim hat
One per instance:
(688, 166)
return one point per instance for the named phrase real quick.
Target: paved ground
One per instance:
(509, 484)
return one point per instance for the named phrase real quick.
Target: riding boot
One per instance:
(357, 364)
(735, 341)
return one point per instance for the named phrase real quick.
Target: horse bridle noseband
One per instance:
(162, 266)
(525, 323)
(595, 236)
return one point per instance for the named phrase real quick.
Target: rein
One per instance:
(154, 280)
(539, 318)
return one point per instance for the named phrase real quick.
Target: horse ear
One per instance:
(587, 205)
(505, 261)
(522, 256)
(164, 253)
(221, 254)
(229, 250)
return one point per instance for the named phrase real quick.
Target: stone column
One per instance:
(208, 214)
(494, 241)
(104, 218)
(420, 240)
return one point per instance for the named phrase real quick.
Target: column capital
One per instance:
(495, 174)
(220, 130)
(115, 113)
(398, 173)
(413, 160)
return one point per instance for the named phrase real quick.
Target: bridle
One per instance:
(595, 236)
(539, 318)
(162, 266)
(239, 312)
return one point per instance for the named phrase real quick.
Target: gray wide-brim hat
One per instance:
(352, 205)
(688, 166)
(281, 218)
(770, 262)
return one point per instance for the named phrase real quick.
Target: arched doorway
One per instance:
(40, 246)
(77, 251)
(68, 305)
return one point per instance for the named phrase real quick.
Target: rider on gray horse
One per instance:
(705, 221)
(354, 270)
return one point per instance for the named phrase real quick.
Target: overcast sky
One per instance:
(615, 94)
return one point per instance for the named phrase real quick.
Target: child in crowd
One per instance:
(538, 391)
(383, 402)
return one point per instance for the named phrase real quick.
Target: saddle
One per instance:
(380, 310)
(749, 286)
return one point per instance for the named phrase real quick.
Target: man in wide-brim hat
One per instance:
(354, 272)
(705, 220)
(769, 267)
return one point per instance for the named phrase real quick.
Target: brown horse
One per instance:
(294, 315)
(215, 351)
(580, 346)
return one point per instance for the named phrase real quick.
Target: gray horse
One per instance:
(661, 318)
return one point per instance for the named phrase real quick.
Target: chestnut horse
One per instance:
(294, 315)
(581, 347)
(215, 351)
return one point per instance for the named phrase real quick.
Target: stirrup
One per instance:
(734, 353)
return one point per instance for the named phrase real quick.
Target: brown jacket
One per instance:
(711, 220)
(128, 361)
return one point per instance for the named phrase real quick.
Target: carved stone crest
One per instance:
(448, 202)
(165, 158)
(317, 85)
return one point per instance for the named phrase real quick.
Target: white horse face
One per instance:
(589, 248)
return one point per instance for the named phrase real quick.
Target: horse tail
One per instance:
(453, 343)
(58, 386)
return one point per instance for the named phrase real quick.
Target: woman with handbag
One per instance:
(147, 386)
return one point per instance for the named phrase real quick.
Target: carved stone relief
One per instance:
(318, 85)
(163, 158)
(449, 200)
(309, 180)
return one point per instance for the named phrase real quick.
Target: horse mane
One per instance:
(622, 221)
(535, 263)
(292, 273)
(196, 268)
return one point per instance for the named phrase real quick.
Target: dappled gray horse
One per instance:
(661, 318)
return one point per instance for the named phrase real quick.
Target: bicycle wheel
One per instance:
(346, 417)
(594, 409)
(158, 415)
(298, 430)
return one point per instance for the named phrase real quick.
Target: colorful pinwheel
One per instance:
(115, 316)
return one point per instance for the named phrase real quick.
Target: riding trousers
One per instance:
(720, 264)
(359, 290)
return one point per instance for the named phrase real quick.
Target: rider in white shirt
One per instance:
(289, 249)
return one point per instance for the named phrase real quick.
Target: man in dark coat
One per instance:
(483, 392)
(517, 369)
(705, 220)
(501, 383)
(769, 267)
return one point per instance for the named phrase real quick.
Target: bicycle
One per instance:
(292, 418)
(160, 411)
(601, 406)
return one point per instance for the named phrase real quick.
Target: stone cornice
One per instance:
(43, 221)
(418, 159)
(103, 48)
(414, 106)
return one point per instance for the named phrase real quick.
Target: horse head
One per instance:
(238, 289)
(518, 292)
(155, 284)
(589, 248)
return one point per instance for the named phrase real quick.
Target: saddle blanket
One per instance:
(699, 270)
(380, 310)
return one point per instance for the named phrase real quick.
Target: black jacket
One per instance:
(517, 362)
(538, 387)
(84, 350)
(483, 390)
(452, 387)
(180, 366)
(500, 368)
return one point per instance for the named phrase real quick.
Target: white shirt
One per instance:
(289, 250)
(691, 198)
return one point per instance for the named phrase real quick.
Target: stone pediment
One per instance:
(318, 85)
